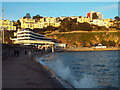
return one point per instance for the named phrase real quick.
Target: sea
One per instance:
(85, 69)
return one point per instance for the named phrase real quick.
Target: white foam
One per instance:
(65, 73)
(57, 66)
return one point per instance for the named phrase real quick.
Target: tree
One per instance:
(102, 28)
(8, 35)
(111, 43)
(85, 26)
(117, 18)
(68, 24)
(37, 17)
(27, 16)
(17, 24)
(40, 31)
(73, 24)
(94, 16)
(117, 22)
(65, 25)
(95, 27)
(51, 28)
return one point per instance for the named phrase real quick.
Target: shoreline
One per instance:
(63, 82)
(88, 49)
(25, 72)
(47, 69)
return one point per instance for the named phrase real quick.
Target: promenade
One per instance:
(23, 72)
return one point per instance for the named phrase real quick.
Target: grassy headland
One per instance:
(77, 39)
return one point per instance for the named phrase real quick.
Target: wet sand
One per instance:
(24, 72)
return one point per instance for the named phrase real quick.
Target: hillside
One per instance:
(88, 38)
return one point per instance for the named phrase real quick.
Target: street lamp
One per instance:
(2, 25)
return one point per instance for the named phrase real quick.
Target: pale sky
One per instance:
(16, 10)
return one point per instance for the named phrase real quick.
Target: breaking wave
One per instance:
(64, 72)
(86, 81)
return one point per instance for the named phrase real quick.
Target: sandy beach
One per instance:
(24, 72)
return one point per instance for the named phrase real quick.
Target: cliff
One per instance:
(88, 38)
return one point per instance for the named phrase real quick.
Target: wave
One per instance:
(64, 72)
(86, 81)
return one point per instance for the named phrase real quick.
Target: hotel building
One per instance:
(28, 37)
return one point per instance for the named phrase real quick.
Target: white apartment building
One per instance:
(92, 13)
(43, 22)
(105, 22)
(7, 25)
(82, 19)
(27, 36)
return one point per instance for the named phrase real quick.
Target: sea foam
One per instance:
(57, 66)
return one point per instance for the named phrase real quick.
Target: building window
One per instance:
(11, 28)
(10, 24)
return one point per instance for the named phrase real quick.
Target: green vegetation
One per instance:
(69, 24)
(72, 25)
(17, 24)
(37, 17)
(95, 16)
(45, 30)
(27, 16)
(116, 23)
(89, 39)
(8, 35)
(76, 39)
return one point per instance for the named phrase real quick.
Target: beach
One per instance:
(24, 72)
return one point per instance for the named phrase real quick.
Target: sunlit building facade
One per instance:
(28, 37)
(82, 19)
(7, 25)
(105, 22)
(108, 22)
(43, 22)
(95, 15)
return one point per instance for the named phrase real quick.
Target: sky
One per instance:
(60, 0)
(16, 10)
